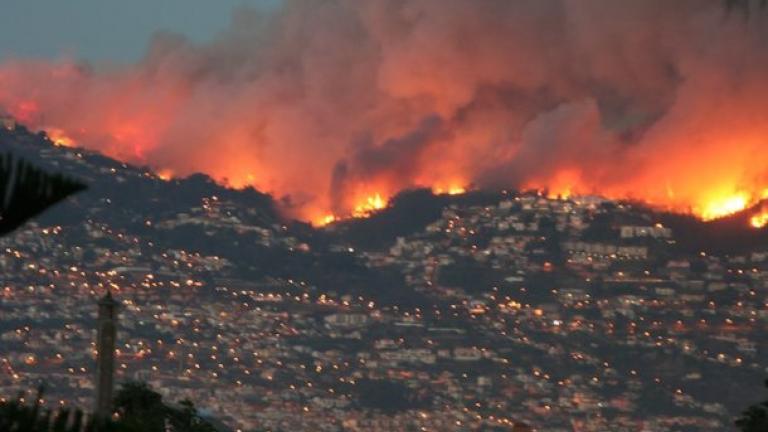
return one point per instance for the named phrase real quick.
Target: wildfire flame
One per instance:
(759, 220)
(59, 137)
(165, 174)
(724, 206)
(369, 205)
(450, 190)
(325, 220)
(364, 208)
(333, 108)
(714, 206)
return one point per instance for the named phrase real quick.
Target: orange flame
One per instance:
(455, 188)
(369, 205)
(325, 220)
(759, 220)
(59, 138)
(363, 208)
(333, 138)
(165, 174)
(719, 207)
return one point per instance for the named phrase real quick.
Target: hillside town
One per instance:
(524, 313)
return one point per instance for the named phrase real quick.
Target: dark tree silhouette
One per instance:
(185, 418)
(18, 416)
(139, 409)
(755, 418)
(26, 191)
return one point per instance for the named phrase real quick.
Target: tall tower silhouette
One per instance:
(105, 357)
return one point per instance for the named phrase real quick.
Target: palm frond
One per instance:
(26, 191)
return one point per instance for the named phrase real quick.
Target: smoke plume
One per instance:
(327, 103)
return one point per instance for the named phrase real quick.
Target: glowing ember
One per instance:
(165, 174)
(451, 190)
(560, 195)
(327, 219)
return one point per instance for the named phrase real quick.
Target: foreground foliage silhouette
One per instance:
(138, 408)
(755, 418)
(141, 408)
(26, 191)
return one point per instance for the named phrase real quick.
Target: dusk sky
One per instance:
(100, 30)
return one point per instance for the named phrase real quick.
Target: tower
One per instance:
(105, 357)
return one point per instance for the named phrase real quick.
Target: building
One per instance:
(105, 360)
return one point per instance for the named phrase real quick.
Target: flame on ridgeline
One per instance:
(59, 137)
(371, 204)
(335, 107)
(165, 174)
(759, 220)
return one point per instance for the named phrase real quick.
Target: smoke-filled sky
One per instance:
(101, 30)
(328, 104)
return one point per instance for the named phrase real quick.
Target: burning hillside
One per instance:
(334, 107)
